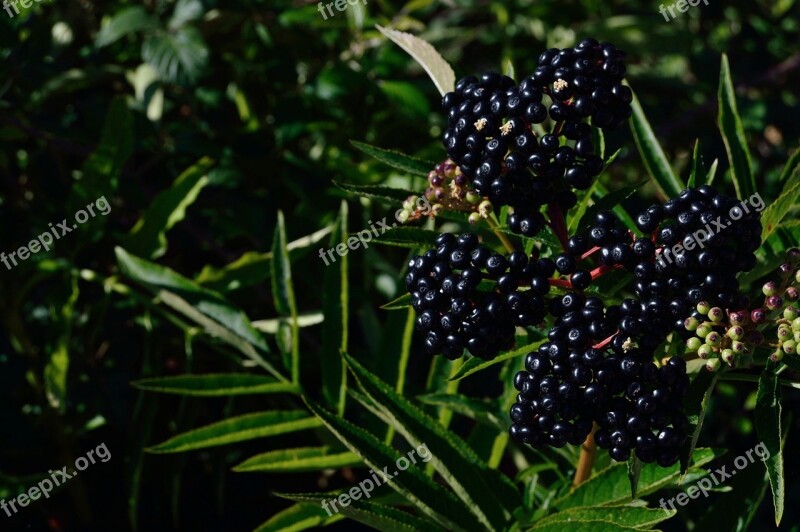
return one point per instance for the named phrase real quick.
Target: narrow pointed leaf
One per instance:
(335, 304)
(426, 55)
(474, 365)
(299, 517)
(297, 460)
(215, 385)
(730, 125)
(768, 427)
(236, 429)
(471, 479)
(283, 293)
(619, 515)
(653, 157)
(396, 159)
(778, 209)
(377, 516)
(386, 194)
(429, 497)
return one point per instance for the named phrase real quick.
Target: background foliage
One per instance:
(216, 131)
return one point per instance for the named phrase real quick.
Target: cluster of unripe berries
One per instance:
(732, 338)
(449, 189)
(493, 137)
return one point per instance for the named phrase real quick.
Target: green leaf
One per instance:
(772, 216)
(476, 409)
(474, 365)
(426, 55)
(398, 303)
(612, 487)
(299, 517)
(634, 472)
(179, 56)
(387, 194)
(185, 11)
(768, 427)
(429, 497)
(628, 516)
(587, 525)
(378, 516)
(652, 155)
(126, 21)
(148, 236)
(298, 460)
(254, 268)
(335, 304)
(712, 172)
(209, 309)
(409, 237)
(730, 125)
(453, 459)
(695, 165)
(237, 429)
(696, 404)
(395, 159)
(215, 385)
(736, 509)
(283, 293)
(607, 202)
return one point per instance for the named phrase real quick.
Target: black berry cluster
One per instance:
(586, 81)
(588, 372)
(703, 240)
(469, 297)
(492, 138)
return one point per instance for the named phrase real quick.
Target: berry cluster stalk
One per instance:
(586, 459)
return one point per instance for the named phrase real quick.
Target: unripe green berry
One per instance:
(735, 333)
(770, 288)
(485, 208)
(402, 217)
(737, 318)
(796, 336)
(693, 343)
(796, 324)
(691, 324)
(784, 333)
(716, 314)
(473, 197)
(410, 204)
(790, 313)
(705, 351)
(789, 347)
(474, 218)
(713, 364)
(714, 339)
(703, 307)
(739, 347)
(776, 356)
(703, 331)
(797, 276)
(728, 356)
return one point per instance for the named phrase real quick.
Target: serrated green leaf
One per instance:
(627, 516)
(607, 202)
(378, 516)
(126, 21)
(730, 125)
(283, 293)
(612, 487)
(408, 237)
(426, 55)
(471, 479)
(476, 409)
(776, 211)
(335, 304)
(695, 165)
(735, 510)
(425, 494)
(396, 159)
(587, 525)
(148, 236)
(215, 385)
(653, 157)
(298, 460)
(768, 427)
(209, 309)
(237, 429)
(388, 194)
(299, 517)
(696, 404)
(474, 365)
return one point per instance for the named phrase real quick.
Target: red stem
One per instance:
(590, 252)
(563, 283)
(605, 342)
(558, 224)
(602, 270)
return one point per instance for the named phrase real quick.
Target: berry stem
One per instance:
(495, 225)
(558, 224)
(602, 270)
(590, 252)
(557, 128)
(563, 283)
(586, 459)
(605, 342)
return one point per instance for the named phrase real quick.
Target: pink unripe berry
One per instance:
(774, 302)
(770, 288)
(758, 315)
